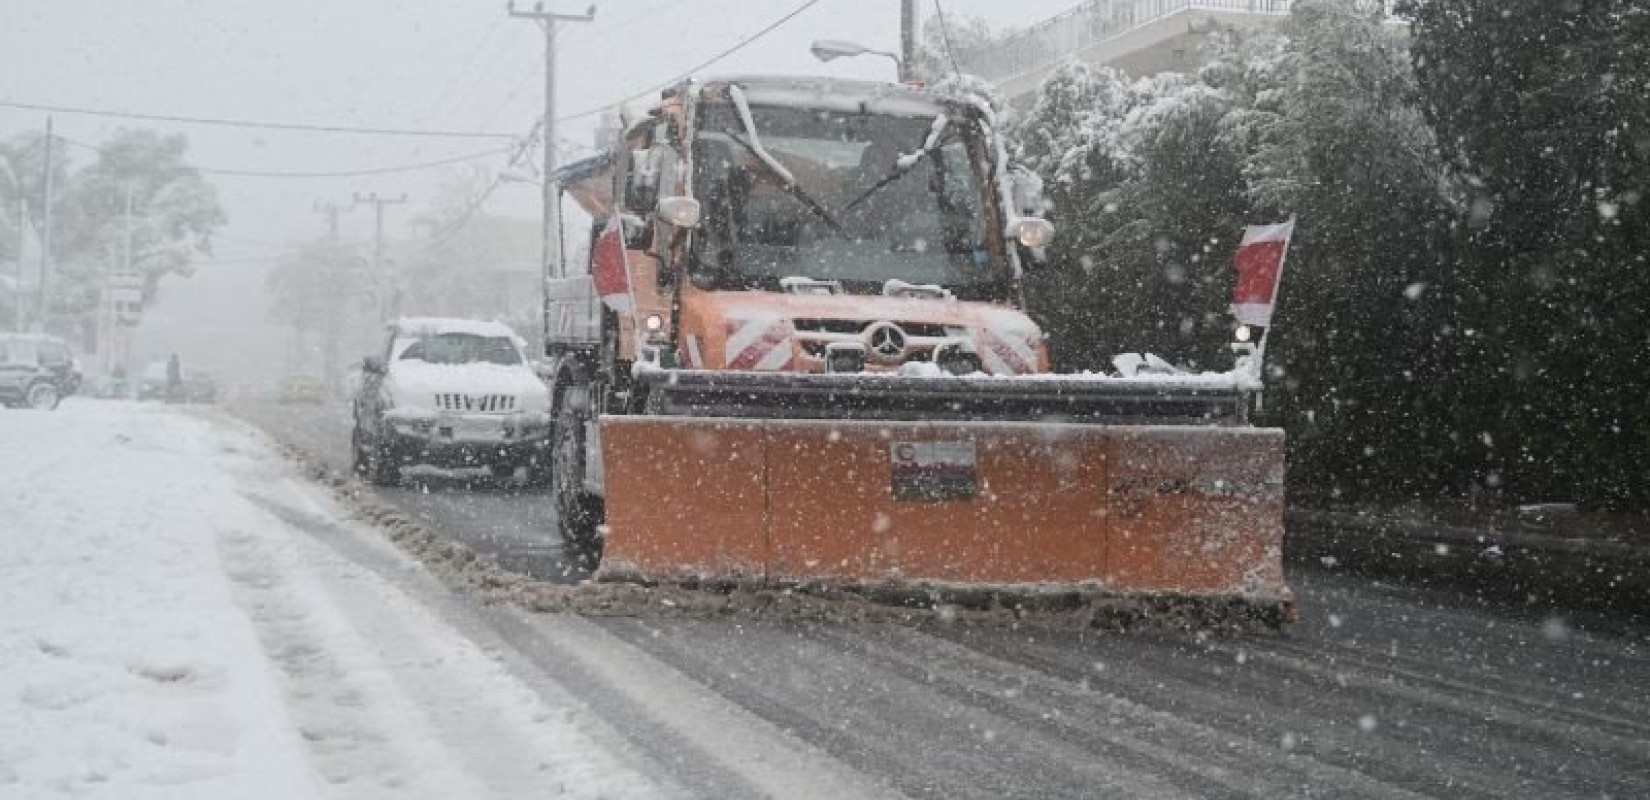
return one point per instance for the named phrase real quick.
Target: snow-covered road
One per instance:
(183, 615)
(171, 626)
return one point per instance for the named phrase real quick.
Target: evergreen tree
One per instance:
(1544, 108)
(1361, 337)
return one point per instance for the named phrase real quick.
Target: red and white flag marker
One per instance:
(610, 267)
(1260, 269)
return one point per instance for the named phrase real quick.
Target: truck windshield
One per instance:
(843, 198)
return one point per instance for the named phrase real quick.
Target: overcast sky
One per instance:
(419, 64)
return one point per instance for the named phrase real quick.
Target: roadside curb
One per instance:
(1592, 571)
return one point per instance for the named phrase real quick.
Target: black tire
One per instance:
(502, 471)
(42, 396)
(359, 460)
(578, 513)
(374, 460)
(540, 477)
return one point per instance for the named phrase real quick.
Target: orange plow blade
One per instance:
(1132, 511)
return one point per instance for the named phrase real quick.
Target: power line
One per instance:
(351, 173)
(945, 33)
(599, 33)
(690, 71)
(241, 123)
(522, 150)
(477, 81)
(457, 75)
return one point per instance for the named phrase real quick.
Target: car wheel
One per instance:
(385, 467)
(360, 462)
(540, 476)
(376, 461)
(42, 396)
(578, 513)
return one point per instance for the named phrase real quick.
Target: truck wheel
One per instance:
(42, 396)
(578, 513)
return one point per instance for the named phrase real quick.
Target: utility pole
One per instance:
(22, 234)
(552, 201)
(329, 296)
(45, 234)
(389, 301)
(330, 211)
(114, 352)
(907, 39)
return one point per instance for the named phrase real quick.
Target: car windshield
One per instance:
(462, 348)
(839, 196)
(19, 352)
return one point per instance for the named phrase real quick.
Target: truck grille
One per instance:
(485, 403)
(855, 327)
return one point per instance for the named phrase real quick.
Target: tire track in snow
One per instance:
(693, 737)
(391, 699)
(1212, 761)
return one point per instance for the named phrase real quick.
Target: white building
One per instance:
(1139, 37)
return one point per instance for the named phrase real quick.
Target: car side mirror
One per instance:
(372, 365)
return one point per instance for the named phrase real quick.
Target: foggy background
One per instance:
(413, 64)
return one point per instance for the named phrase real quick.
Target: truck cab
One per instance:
(828, 216)
(793, 226)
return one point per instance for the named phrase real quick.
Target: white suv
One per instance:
(451, 393)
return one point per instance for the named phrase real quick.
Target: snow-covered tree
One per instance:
(174, 214)
(1544, 110)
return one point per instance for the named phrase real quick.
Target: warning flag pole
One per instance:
(1277, 281)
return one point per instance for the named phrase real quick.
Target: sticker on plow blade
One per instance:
(934, 471)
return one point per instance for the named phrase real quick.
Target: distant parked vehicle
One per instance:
(296, 389)
(36, 371)
(451, 393)
(152, 384)
(200, 387)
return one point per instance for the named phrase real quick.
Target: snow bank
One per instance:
(126, 670)
(182, 617)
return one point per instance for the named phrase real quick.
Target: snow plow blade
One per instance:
(1030, 508)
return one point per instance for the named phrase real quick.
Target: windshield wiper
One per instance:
(907, 161)
(775, 168)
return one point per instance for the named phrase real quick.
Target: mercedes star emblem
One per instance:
(886, 340)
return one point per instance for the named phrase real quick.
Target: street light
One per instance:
(831, 49)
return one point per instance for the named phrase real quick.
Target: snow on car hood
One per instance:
(414, 384)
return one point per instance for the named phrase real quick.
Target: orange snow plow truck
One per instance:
(796, 358)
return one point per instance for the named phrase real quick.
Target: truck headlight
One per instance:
(1032, 231)
(654, 325)
(683, 212)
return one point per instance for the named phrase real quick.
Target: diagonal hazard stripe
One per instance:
(761, 351)
(1004, 357)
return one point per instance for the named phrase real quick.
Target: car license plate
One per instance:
(478, 430)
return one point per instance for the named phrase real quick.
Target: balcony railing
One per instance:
(1050, 41)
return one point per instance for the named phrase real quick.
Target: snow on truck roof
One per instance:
(435, 326)
(835, 94)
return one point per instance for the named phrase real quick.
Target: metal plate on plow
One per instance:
(929, 472)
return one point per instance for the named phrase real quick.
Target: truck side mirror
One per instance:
(372, 365)
(1026, 191)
